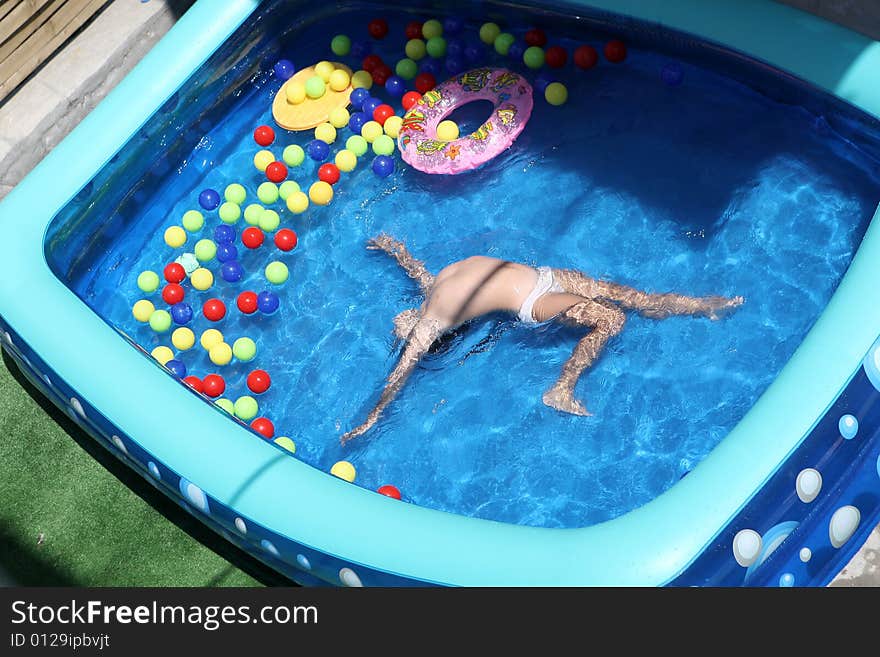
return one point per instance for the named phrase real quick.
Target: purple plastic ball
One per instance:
(231, 271)
(227, 252)
(268, 302)
(318, 150)
(383, 165)
(369, 105)
(360, 49)
(177, 368)
(284, 69)
(454, 48)
(224, 234)
(357, 97)
(356, 122)
(431, 66)
(181, 313)
(209, 199)
(672, 74)
(395, 86)
(516, 50)
(454, 65)
(453, 25)
(474, 53)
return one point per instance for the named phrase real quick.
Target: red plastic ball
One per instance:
(264, 135)
(378, 28)
(194, 382)
(258, 381)
(555, 56)
(382, 113)
(247, 302)
(410, 98)
(174, 272)
(276, 172)
(535, 37)
(213, 385)
(370, 62)
(425, 82)
(172, 293)
(285, 239)
(263, 426)
(252, 237)
(585, 57)
(329, 173)
(214, 310)
(414, 30)
(381, 74)
(615, 51)
(389, 491)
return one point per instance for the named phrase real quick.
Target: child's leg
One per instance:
(414, 268)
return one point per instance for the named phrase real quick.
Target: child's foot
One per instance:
(718, 307)
(563, 400)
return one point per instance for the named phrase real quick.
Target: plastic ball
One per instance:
(672, 74)
(269, 221)
(295, 92)
(224, 234)
(318, 150)
(360, 48)
(406, 68)
(474, 52)
(489, 32)
(436, 47)
(276, 272)
(247, 302)
(371, 63)
(183, 339)
(202, 279)
(285, 239)
(371, 130)
(148, 281)
(293, 155)
(220, 354)
(205, 250)
(231, 271)
(454, 65)
(176, 367)
(174, 273)
(209, 199)
(284, 69)
(287, 188)
(209, 338)
(214, 310)
(453, 25)
(392, 126)
(383, 145)
(389, 491)
(585, 57)
(252, 237)
(315, 87)
(516, 50)
(383, 165)
(395, 86)
(533, 57)
(172, 293)
(193, 382)
(425, 82)
(555, 56)
(181, 313)
(262, 159)
(258, 381)
(535, 37)
(229, 212)
(345, 160)
(339, 117)
(244, 349)
(286, 443)
(447, 130)
(142, 310)
(369, 106)
(193, 220)
(343, 470)
(226, 405)
(264, 427)
(361, 80)
(213, 385)
(268, 302)
(320, 193)
(160, 321)
(325, 132)
(356, 122)
(357, 97)
(252, 214)
(415, 49)
(357, 144)
(235, 193)
(267, 192)
(276, 172)
(556, 93)
(340, 45)
(246, 408)
(162, 354)
(324, 70)
(297, 202)
(227, 252)
(615, 51)
(410, 98)
(378, 28)
(175, 237)
(339, 80)
(503, 42)
(432, 28)
(413, 30)
(329, 173)
(264, 135)
(382, 113)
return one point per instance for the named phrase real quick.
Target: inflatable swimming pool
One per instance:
(742, 452)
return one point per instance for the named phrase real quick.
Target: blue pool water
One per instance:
(704, 188)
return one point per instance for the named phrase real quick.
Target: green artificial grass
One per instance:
(72, 515)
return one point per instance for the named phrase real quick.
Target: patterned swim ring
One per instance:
(509, 92)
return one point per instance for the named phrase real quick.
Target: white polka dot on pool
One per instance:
(303, 561)
(350, 578)
(240, 525)
(154, 470)
(78, 407)
(269, 547)
(119, 444)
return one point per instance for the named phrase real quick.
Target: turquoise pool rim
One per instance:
(645, 547)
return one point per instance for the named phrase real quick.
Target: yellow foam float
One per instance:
(310, 113)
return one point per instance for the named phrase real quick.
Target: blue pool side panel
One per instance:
(349, 535)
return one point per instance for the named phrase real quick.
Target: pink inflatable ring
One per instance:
(417, 140)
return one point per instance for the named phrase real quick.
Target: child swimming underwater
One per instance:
(478, 285)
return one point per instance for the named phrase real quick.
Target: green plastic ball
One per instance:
(436, 46)
(556, 93)
(244, 349)
(383, 145)
(415, 49)
(193, 220)
(287, 188)
(226, 405)
(432, 28)
(269, 221)
(205, 250)
(315, 87)
(340, 45)
(267, 192)
(276, 272)
(235, 193)
(293, 155)
(503, 42)
(148, 281)
(246, 408)
(357, 145)
(229, 212)
(406, 68)
(533, 57)
(489, 32)
(252, 214)
(160, 321)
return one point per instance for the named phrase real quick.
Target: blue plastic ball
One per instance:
(284, 69)
(516, 50)
(474, 53)
(357, 97)
(453, 25)
(360, 49)
(454, 48)
(431, 66)
(369, 105)
(231, 271)
(356, 122)
(224, 234)
(383, 165)
(454, 65)
(209, 199)
(227, 252)
(395, 86)
(181, 313)
(177, 368)
(268, 302)
(672, 74)
(318, 150)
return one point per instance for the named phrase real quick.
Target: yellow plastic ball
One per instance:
(175, 237)
(344, 470)
(339, 80)
(142, 310)
(361, 80)
(326, 133)
(202, 279)
(183, 338)
(321, 193)
(297, 202)
(339, 117)
(286, 443)
(324, 70)
(346, 160)
(295, 92)
(210, 338)
(556, 93)
(220, 354)
(263, 159)
(392, 126)
(162, 354)
(371, 130)
(447, 131)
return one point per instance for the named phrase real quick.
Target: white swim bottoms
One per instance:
(546, 283)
